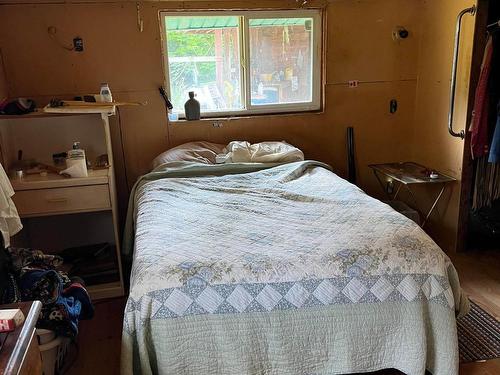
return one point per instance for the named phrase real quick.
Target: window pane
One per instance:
(280, 60)
(203, 56)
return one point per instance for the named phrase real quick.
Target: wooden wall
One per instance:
(3, 80)
(432, 144)
(359, 46)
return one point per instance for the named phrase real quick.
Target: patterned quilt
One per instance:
(281, 269)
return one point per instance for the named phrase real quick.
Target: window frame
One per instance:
(244, 53)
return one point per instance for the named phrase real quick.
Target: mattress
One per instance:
(281, 269)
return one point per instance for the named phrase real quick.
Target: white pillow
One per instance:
(198, 152)
(263, 152)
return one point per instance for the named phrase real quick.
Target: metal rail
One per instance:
(15, 363)
(493, 25)
(472, 11)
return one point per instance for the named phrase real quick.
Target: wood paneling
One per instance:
(432, 145)
(130, 61)
(378, 133)
(3, 81)
(359, 46)
(114, 50)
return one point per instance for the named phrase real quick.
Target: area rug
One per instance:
(478, 335)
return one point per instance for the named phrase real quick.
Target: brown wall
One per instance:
(432, 144)
(359, 47)
(3, 81)
(358, 44)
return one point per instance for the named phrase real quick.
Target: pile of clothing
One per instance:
(27, 274)
(34, 275)
(19, 106)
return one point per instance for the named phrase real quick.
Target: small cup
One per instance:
(173, 117)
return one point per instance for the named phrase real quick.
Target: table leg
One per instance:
(397, 191)
(434, 205)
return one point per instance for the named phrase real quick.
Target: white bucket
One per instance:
(53, 350)
(45, 335)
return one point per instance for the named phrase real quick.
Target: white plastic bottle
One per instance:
(106, 93)
(75, 162)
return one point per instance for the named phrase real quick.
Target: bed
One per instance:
(281, 268)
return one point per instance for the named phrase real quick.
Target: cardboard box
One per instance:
(10, 319)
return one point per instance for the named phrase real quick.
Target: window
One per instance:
(243, 62)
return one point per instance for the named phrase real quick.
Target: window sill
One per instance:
(218, 120)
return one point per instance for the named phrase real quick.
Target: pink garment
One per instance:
(479, 122)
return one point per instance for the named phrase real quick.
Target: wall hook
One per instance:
(393, 106)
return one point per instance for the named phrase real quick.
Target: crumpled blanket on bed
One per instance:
(246, 269)
(262, 152)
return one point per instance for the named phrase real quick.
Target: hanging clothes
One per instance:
(495, 142)
(10, 224)
(486, 185)
(485, 128)
(479, 122)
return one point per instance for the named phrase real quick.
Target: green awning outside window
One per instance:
(216, 22)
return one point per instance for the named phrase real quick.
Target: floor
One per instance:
(479, 274)
(99, 339)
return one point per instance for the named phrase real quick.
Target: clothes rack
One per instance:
(493, 26)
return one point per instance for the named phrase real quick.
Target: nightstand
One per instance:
(407, 175)
(57, 212)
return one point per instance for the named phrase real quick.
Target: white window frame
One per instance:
(244, 51)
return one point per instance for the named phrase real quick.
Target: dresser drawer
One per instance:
(62, 200)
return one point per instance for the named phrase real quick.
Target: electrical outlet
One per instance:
(78, 44)
(353, 84)
(400, 33)
(217, 124)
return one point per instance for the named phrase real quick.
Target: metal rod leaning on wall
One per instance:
(471, 11)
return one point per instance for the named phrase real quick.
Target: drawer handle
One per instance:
(57, 200)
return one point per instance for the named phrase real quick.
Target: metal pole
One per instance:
(434, 205)
(472, 11)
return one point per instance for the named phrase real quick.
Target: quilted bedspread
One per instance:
(282, 269)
